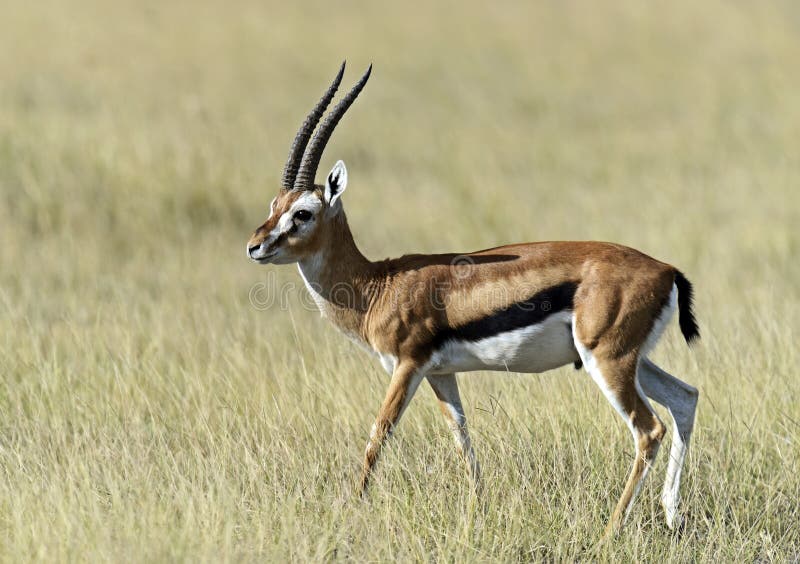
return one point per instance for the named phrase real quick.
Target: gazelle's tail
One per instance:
(685, 314)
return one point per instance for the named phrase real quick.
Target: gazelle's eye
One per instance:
(302, 215)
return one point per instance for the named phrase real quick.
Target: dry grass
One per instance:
(149, 412)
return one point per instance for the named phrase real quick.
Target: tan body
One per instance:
(525, 308)
(409, 298)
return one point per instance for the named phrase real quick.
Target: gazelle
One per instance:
(527, 308)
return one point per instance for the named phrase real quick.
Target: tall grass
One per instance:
(148, 411)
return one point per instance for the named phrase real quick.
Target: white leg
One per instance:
(681, 400)
(445, 387)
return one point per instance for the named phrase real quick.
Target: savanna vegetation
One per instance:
(164, 399)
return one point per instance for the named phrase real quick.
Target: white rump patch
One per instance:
(661, 323)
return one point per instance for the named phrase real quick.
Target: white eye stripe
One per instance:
(284, 224)
(309, 202)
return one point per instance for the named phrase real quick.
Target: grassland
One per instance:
(149, 412)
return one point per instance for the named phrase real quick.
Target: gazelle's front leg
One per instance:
(405, 381)
(445, 386)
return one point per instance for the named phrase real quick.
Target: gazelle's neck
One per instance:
(340, 278)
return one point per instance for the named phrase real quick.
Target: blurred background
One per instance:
(149, 410)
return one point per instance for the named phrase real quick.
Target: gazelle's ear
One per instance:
(336, 183)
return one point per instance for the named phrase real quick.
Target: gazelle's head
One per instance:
(302, 212)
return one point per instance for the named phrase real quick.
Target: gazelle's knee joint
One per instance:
(650, 441)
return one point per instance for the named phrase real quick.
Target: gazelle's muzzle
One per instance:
(261, 248)
(260, 253)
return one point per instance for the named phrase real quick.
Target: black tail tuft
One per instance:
(685, 314)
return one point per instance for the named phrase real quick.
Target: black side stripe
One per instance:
(516, 316)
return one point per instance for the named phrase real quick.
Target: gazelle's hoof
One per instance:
(611, 532)
(604, 541)
(675, 519)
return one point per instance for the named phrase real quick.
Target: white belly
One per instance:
(536, 348)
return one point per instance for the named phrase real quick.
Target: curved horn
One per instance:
(306, 129)
(308, 168)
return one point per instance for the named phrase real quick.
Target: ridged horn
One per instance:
(308, 167)
(304, 134)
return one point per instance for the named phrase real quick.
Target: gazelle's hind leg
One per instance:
(445, 386)
(617, 379)
(681, 400)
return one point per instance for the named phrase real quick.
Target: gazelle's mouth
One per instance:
(257, 255)
(265, 259)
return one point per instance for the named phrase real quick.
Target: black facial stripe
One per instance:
(279, 239)
(516, 316)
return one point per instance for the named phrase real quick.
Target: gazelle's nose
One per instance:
(251, 250)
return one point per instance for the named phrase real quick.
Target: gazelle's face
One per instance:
(291, 229)
(296, 223)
